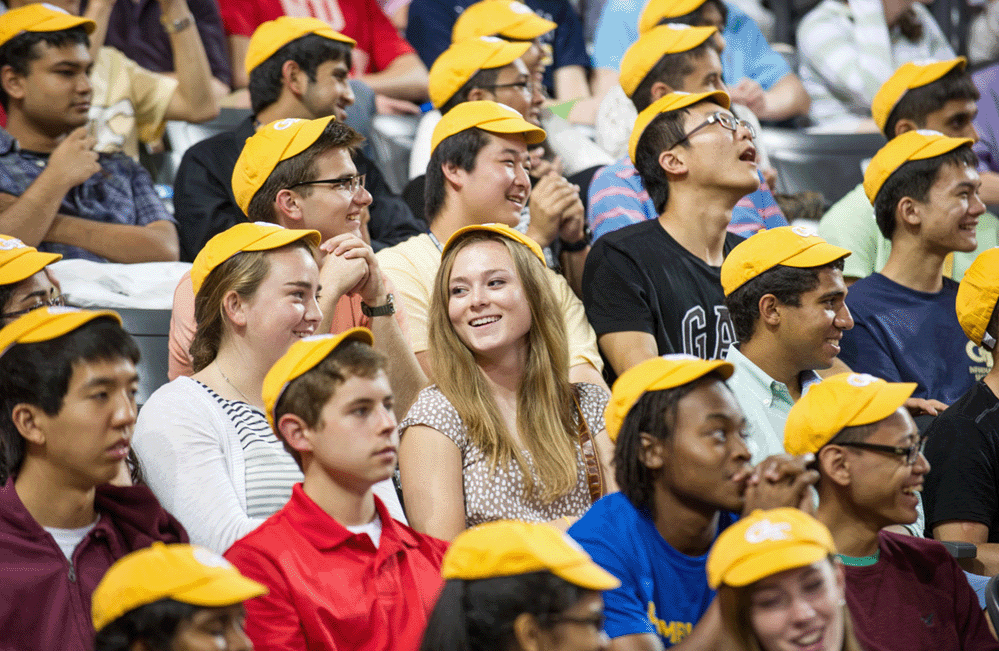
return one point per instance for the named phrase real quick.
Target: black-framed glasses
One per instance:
(596, 621)
(349, 184)
(525, 87)
(55, 301)
(911, 453)
(725, 120)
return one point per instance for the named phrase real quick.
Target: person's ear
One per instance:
(454, 174)
(659, 90)
(905, 125)
(651, 453)
(477, 94)
(234, 308)
(139, 645)
(28, 419)
(834, 464)
(294, 78)
(908, 212)
(769, 310)
(295, 432)
(527, 632)
(288, 209)
(13, 83)
(672, 162)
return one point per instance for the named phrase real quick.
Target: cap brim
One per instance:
(773, 561)
(61, 22)
(588, 575)
(820, 254)
(277, 239)
(516, 236)
(25, 266)
(529, 29)
(889, 398)
(222, 590)
(532, 136)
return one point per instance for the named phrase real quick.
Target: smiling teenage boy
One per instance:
(341, 572)
(904, 593)
(67, 394)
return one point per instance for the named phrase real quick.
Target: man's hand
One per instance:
(352, 250)
(920, 406)
(750, 94)
(340, 274)
(541, 166)
(551, 200)
(74, 160)
(385, 105)
(781, 480)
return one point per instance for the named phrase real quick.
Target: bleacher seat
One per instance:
(151, 330)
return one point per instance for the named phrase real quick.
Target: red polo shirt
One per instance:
(330, 589)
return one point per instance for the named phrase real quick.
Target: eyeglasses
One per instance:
(55, 301)
(525, 87)
(910, 453)
(596, 621)
(725, 120)
(350, 184)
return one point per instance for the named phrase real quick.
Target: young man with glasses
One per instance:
(903, 592)
(25, 282)
(299, 174)
(654, 288)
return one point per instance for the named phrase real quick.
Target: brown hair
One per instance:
(545, 404)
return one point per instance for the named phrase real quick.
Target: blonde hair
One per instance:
(242, 273)
(545, 401)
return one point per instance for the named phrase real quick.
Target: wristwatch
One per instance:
(174, 26)
(573, 247)
(381, 310)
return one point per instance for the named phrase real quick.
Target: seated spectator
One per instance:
(983, 34)
(987, 127)
(939, 96)
(871, 470)
(178, 597)
(382, 58)
(26, 283)
(67, 393)
(342, 573)
(924, 188)
(503, 435)
(666, 59)
(780, 585)
(785, 294)
(756, 76)
(654, 288)
(299, 174)
(477, 175)
(961, 495)
(298, 68)
(849, 48)
(517, 586)
(55, 190)
(683, 468)
(130, 104)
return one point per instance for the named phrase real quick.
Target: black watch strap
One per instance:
(388, 309)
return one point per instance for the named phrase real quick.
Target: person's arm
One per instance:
(272, 621)
(626, 349)
(704, 637)
(194, 100)
(989, 190)
(785, 99)
(428, 28)
(986, 561)
(404, 78)
(238, 46)
(156, 242)
(570, 83)
(182, 329)
(430, 467)
(98, 11)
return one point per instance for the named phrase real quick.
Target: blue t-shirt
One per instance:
(662, 591)
(747, 53)
(902, 335)
(431, 21)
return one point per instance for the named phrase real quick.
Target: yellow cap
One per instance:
(656, 374)
(459, 63)
(508, 548)
(40, 17)
(791, 246)
(908, 76)
(671, 102)
(248, 236)
(271, 144)
(767, 543)
(501, 229)
(18, 261)
(505, 18)
(47, 323)
(656, 10)
(303, 356)
(911, 145)
(186, 573)
(977, 296)
(488, 116)
(653, 45)
(273, 35)
(841, 401)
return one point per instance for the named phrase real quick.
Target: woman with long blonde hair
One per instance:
(503, 434)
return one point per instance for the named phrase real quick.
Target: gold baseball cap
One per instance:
(40, 17)
(505, 18)
(656, 10)
(47, 323)
(653, 45)
(302, 357)
(908, 76)
(911, 145)
(791, 246)
(767, 543)
(488, 116)
(271, 144)
(247, 236)
(841, 401)
(186, 573)
(273, 35)
(18, 261)
(459, 63)
(977, 296)
(508, 548)
(671, 102)
(501, 229)
(656, 374)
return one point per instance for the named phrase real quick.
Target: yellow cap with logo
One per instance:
(977, 296)
(500, 229)
(18, 261)
(644, 54)
(459, 63)
(908, 76)
(488, 116)
(656, 11)
(273, 35)
(910, 146)
(791, 246)
(40, 17)
(47, 323)
(671, 102)
(504, 18)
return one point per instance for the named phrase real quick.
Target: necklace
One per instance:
(229, 382)
(860, 561)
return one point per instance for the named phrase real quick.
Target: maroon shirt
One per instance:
(45, 599)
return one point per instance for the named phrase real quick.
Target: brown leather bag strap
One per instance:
(594, 471)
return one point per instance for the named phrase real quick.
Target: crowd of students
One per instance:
(458, 419)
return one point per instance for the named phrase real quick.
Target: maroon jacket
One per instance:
(44, 599)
